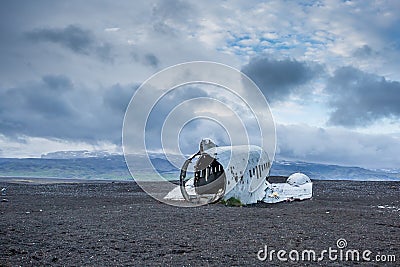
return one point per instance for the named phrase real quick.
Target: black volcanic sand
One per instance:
(110, 224)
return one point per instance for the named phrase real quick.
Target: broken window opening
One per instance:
(209, 176)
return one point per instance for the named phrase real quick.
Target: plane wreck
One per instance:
(217, 173)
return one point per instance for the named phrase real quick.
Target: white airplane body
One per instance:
(239, 172)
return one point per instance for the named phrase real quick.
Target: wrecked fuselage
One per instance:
(240, 172)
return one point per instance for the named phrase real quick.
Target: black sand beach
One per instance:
(116, 224)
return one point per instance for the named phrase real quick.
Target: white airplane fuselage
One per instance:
(239, 172)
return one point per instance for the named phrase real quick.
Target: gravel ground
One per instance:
(116, 224)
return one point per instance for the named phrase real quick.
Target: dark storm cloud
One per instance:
(279, 78)
(360, 98)
(56, 108)
(75, 38)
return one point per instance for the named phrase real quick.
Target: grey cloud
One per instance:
(148, 59)
(72, 37)
(23, 109)
(56, 108)
(57, 82)
(279, 78)
(364, 51)
(117, 97)
(360, 98)
(75, 38)
(44, 98)
(104, 52)
(335, 146)
(172, 15)
(163, 28)
(192, 133)
(152, 60)
(172, 99)
(176, 10)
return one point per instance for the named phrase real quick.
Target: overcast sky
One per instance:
(329, 69)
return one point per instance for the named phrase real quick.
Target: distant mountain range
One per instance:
(102, 165)
(333, 172)
(77, 154)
